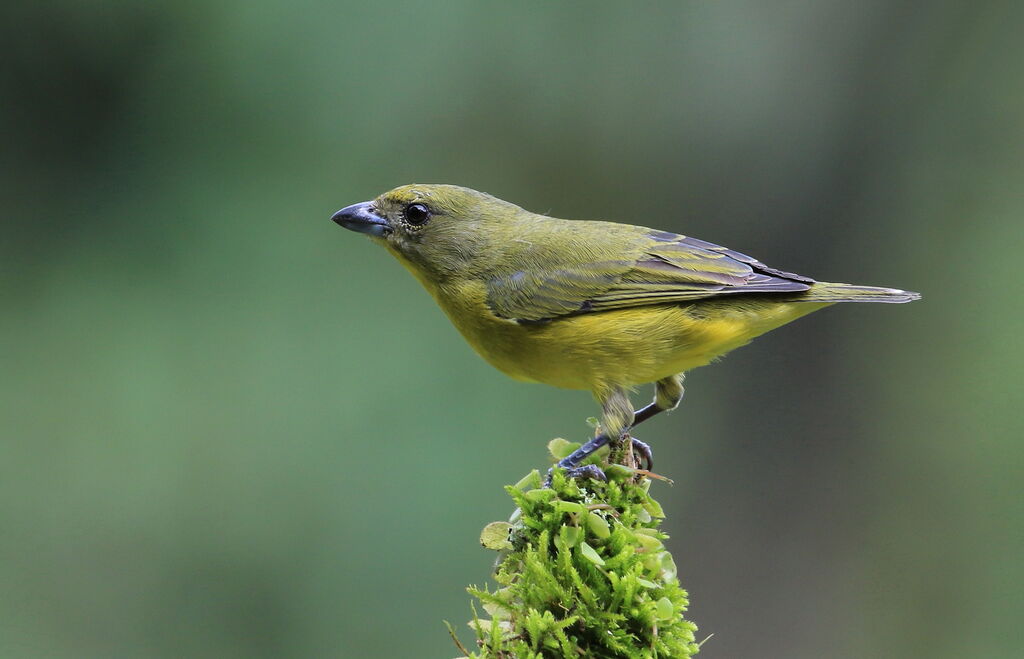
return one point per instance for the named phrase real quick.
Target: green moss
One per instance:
(582, 572)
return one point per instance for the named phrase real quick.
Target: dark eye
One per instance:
(416, 214)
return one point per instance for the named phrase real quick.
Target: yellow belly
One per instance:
(623, 347)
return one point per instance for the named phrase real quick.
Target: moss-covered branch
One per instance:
(582, 572)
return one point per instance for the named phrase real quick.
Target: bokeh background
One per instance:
(231, 429)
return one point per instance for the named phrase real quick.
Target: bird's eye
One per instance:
(417, 214)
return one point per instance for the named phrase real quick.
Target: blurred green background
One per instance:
(220, 411)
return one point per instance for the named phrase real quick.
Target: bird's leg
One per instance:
(616, 420)
(668, 393)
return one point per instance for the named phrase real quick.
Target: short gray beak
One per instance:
(361, 218)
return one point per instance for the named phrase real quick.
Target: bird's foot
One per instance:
(576, 473)
(644, 451)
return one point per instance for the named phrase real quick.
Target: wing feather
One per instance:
(660, 269)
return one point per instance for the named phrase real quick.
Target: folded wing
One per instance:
(659, 268)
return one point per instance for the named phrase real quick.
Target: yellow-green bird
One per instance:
(590, 305)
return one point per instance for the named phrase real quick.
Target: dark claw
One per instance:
(645, 452)
(586, 471)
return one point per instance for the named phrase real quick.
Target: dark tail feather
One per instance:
(829, 292)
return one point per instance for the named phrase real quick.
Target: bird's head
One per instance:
(435, 230)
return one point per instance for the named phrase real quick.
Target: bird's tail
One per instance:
(824, 291)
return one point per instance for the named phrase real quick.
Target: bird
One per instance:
(587, 304)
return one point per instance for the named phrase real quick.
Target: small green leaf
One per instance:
(495, 536)
(668, 567)
(597, 525)
(484, 625)
(561, 448)
(571, 535)
(539, 494)
(648, 543)
(591, 554)
(529, 481)
(569, 507)
(654, 508)
(647, 584)
(663, 609)
(497, 610)
(618, 472)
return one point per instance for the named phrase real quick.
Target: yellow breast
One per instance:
(622, 347)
